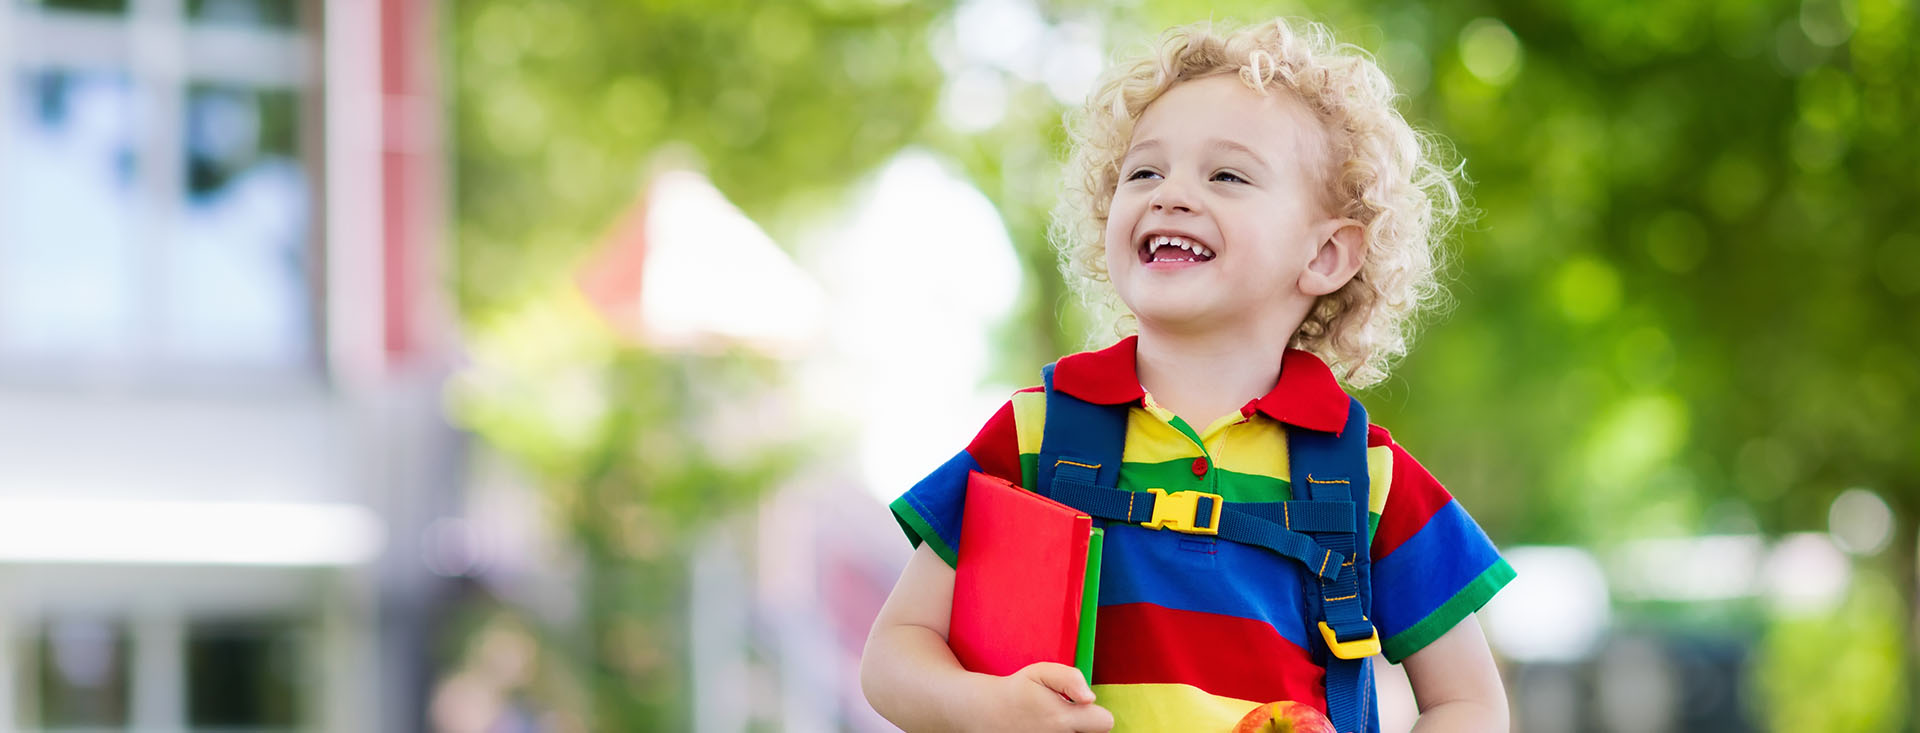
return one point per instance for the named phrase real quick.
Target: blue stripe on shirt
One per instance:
(1428, 569)
(1192, 573)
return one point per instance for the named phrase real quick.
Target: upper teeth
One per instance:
(1183, 243)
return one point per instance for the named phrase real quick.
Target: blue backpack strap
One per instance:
(1328, 467)
(1081, 444)
(1323, 527)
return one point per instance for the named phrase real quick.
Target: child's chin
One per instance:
(1175, 314)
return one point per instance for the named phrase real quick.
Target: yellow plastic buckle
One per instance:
(1357, 649)
(1176, 511)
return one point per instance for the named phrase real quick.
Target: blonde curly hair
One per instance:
(1381, 172)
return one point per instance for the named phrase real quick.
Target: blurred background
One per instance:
(516, 365)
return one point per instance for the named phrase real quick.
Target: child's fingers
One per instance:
(1090, 719)
(1061, 679)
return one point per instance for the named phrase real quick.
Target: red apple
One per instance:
(1285, 717)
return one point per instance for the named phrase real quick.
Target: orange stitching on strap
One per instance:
(1095, 466)
(1323, 564)
(1130, 497)
(1342, 598)
(1286, 514)
(1312, 480)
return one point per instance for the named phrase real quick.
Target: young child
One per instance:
(1268, 221)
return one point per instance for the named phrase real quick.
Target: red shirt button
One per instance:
(1200, 466)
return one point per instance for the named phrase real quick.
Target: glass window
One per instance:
(154, 228)
(82, 674)
(242, 674)
(237, 285)
(69, 285)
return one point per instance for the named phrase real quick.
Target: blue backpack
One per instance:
(1324, 530)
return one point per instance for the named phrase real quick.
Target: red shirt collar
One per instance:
(1307, 394)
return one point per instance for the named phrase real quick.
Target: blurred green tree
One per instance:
(636, 452)
(559, 107)
(559, 110)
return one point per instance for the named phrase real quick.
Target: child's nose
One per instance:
(1172, 205)
(1172, 195)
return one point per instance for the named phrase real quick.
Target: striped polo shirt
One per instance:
(1195, 632)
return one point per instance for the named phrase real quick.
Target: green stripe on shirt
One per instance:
(919, 531)
(1449, 614)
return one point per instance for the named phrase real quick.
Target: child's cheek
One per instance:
(1116, 235)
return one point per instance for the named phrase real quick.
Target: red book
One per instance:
(1027, 582)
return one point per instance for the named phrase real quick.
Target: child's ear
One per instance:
(1342, 249)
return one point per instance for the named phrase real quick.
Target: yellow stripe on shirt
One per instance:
(1029, 420)
(1256, 448)
(1380, 478)
(1172, 708)
(1152, 440)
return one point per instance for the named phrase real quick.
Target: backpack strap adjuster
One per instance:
(1181, 511)
(1355, 649)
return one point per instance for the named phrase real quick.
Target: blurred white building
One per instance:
(221, 352)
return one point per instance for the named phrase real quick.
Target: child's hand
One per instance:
(1043, 696)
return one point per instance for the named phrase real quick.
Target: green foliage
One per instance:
(1674, 293)
(559, 107)
(636, 452)
(558, 110)
(1836, 670)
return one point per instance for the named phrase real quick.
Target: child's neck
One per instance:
(1204, 376)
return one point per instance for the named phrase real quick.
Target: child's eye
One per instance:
(1229, 176)
(1139, 174)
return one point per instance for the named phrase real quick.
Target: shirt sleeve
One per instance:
(931, 510)
(1432, 565)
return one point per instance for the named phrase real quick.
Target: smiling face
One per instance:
(1218, 217)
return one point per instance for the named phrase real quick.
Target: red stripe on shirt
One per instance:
(1415, 496)
(1377, 436)
(1144, 643)
(997, 447)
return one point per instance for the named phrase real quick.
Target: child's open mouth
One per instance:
(1173, 249)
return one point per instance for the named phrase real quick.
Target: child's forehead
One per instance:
(1221, 107)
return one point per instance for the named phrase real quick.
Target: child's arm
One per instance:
(1456, 684)
(911, 677)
